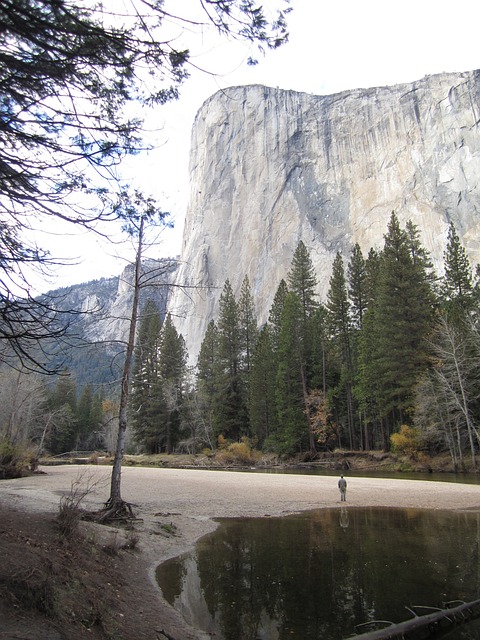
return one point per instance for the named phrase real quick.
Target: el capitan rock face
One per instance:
(271, 167)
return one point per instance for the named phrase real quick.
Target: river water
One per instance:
(319, 574)
(462, 478)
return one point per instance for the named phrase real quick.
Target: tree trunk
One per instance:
(115, 493)
(470, 428)
(311, 437)
(435, 623)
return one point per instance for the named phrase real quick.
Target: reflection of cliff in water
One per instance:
(318, 574)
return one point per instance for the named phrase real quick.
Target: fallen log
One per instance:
(429, 625)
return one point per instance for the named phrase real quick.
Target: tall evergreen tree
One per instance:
(357, 286)
(207, 377)
(63, 401)
(248, 339)
(372, 270)
(89, 419)
(338, 307)
(302, 280)
(172, 368)
(145, 397)
(420, 256)
(457, 284)
(230, 414)
(403, 319)
(290, 381)
(262, 400)
(248, 324)
(276, 311)
(367, 387)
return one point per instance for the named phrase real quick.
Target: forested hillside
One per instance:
(76, 408)
(389, 360)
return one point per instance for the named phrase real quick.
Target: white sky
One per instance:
(334, 45)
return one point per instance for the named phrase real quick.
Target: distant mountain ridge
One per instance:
(99, 325)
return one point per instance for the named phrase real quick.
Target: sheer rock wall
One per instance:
(271, 167)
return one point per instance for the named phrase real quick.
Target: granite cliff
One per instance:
(271, 167)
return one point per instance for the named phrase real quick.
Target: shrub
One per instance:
(14, 460)
(222, 442)
(237, 453)
(70, 510)
(406, 441)
(69, 515)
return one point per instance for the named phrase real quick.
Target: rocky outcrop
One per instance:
(98, 314)
(270, 167)
(104, 306)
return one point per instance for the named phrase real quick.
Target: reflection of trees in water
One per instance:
(319, 574)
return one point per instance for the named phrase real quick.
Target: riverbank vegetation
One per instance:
(388, 363)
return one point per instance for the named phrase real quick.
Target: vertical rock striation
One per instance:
(271, 167)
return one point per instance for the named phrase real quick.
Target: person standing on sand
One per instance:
(342, 485)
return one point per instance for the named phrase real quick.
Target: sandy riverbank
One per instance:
(192, 499)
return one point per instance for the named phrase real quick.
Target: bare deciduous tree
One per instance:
(455, 387)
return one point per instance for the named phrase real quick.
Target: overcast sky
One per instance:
(334, 45)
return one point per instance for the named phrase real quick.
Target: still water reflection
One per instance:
(318, 574)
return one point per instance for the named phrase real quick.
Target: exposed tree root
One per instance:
(113, 511)
(116, 510)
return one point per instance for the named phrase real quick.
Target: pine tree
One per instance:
(338, 307)
(63, 401)
(366, 390)
(262, 403)
(403, 318)
(457, 284)
(172, 364)
(302, 280)
(372, 270)
(248, 339)
(302, 283)
(207, 379)
(357, 286)
(248, 325)
(144, 407)
(290, 388)
(85, 417)
(276, 311)
(230, 414)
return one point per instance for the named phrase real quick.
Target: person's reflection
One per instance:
(344, 517)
